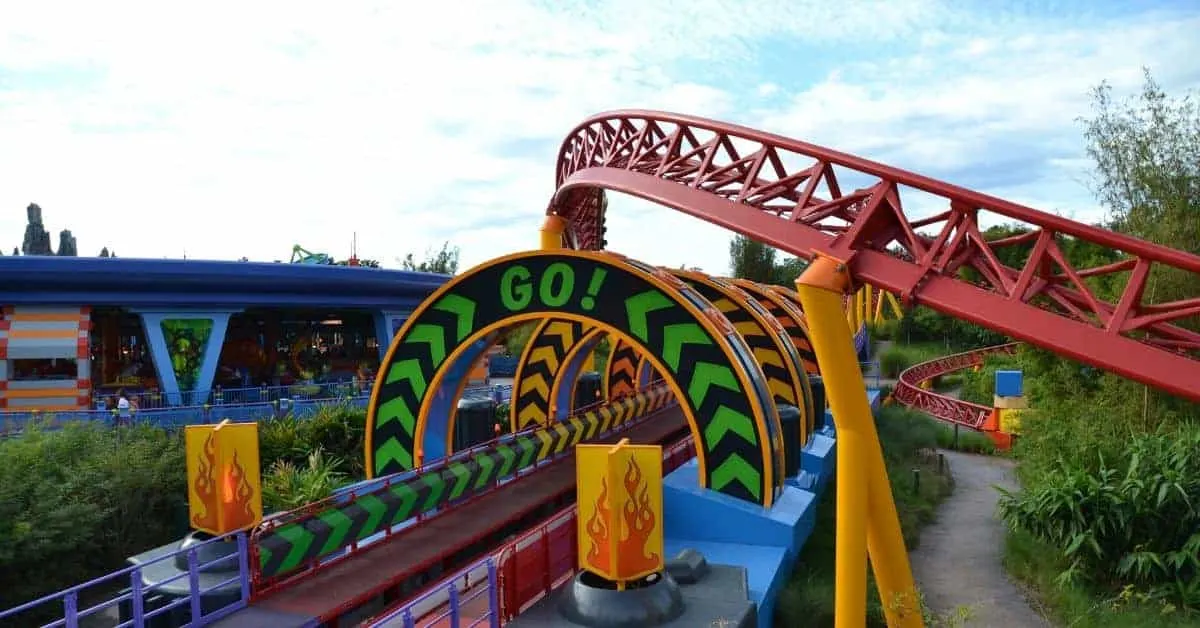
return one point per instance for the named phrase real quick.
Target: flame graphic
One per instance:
(236, 495)
(206, 486)
(639, 519)
(598, 532)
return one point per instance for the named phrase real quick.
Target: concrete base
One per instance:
(596, 603)
(719, 598)
(731, 531)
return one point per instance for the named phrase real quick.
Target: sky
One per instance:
(224, 130)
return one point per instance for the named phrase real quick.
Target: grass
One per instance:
(1035, 565)
(969, 441)
(908, 439)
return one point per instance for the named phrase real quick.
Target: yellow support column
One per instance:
(552, 232)
(866, 512)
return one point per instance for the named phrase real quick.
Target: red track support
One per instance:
(789, 194)
(908, 389)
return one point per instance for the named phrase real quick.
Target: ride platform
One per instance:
(450, 540)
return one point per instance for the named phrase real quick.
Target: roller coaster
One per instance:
(699, 364)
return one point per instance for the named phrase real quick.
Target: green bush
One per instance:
(1125, 517)
(75, 502)
(85, 497)
(339, 431)
(894, 361)
(287, 486)
(968, 441)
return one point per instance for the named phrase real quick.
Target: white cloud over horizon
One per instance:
(233, 130)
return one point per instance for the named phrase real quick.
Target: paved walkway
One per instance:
(958, 564)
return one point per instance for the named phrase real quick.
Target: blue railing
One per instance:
(141, 602)
(449, 595)
(501, 366)
(14, 422)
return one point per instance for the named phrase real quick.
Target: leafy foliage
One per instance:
(443, 261)
(75, 502)
(1130, 519)
(753, 260)
(287, 486)
(1111, 468)
(84, 497)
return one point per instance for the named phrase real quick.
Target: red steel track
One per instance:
(908, 389)
(788, 194)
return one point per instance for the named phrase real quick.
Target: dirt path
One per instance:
(958, 564)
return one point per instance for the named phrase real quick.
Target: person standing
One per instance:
(123, 409)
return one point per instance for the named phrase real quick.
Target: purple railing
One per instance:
(448, 596)
(138, 592)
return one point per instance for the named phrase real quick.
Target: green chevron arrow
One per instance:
(411, 370)
(300, 540)
(675, 336)
(639, 305)
(376, 509)
(461, 307)
(509, 456)
(726, 420)
(437, 487)
(433, 336)
(486, 466)
(735, 468)
(528, 449)
(340, 525)
(264, 555)
(396, 409)
(392, 451)
(408, 497)
(707, 375)
(462, 476)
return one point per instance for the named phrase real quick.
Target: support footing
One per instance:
(595, 602)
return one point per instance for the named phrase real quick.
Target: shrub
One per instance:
(1125, 517)
(287, 486)
(339, 431)
(894, 361)
(75, 502)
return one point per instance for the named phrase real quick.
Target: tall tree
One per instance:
(1147, 155)
(753, 260)
(444, 261)
(1146, 150)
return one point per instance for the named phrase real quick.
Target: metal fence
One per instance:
(15, 422)
(138, 603)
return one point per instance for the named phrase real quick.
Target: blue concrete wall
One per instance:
(766, 542)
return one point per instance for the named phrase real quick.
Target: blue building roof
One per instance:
(128, 282)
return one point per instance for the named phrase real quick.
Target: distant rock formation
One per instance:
(37, 239)
(66, 244)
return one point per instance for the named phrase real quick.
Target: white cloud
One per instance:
(240, 129)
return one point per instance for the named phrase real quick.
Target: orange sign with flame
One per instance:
(224, 485)
(619, 489)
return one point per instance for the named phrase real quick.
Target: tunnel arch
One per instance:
(788, 312)
(562, 390)
(538, 368)
(773, 348)
(620, 370)
(705, 362)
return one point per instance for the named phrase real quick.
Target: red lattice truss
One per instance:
(908, 389)
(790, 194)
